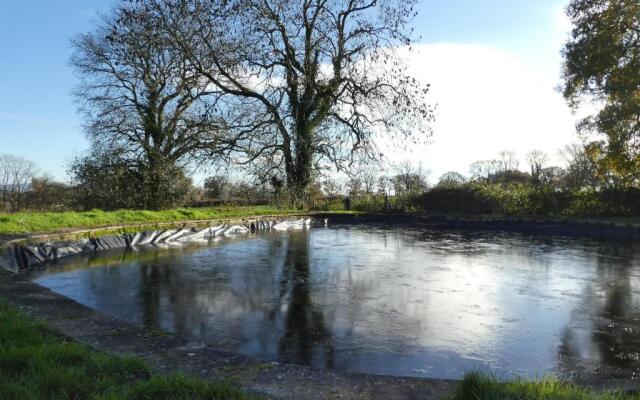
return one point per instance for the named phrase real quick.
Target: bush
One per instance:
(467, 199)
(106, 182)
(328, 204)
(529, 200)
(478, 386)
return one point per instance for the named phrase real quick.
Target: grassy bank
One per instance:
(483, 387)
(39, 222)
(36, 363)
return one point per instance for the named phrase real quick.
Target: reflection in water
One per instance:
(605, 335)
(305, 339)
(384, 301)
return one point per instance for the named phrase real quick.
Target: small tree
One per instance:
(354, 186)
(217, 187)
(580, 171)
(507, 161)
(369, 176)
(47, 194)
(483, 170)
(451, 179)
(537, 161)
(104, 182)
(410, 180)
(331, 187)
(16, 174)
(107, 181)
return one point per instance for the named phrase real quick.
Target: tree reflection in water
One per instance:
(305, 339)
(604, 334)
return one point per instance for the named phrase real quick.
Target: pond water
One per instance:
(384, 301)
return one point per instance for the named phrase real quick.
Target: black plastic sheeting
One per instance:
(21, 257)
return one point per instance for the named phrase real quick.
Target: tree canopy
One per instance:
(602, 65)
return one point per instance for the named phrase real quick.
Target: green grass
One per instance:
(36, 363)
(476, 386)
(41, 222)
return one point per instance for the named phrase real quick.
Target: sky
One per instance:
(494, 67)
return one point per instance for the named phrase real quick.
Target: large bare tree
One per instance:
(313, 81)
(143, 102)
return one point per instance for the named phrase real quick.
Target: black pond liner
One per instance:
(22, 257)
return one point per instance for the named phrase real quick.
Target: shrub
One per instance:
(530, 200)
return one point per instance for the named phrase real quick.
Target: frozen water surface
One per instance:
(397, 302)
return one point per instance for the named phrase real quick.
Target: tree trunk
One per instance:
(299, 169)
(299, 179)
(154, 188)
(297, 191)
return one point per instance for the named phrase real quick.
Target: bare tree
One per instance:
(451, 179)
(5, 178)
(507, 161)
(331, 187)
(483, 170)
(551, 176)
(410, 180)
(580, 171)
(500, 169)
(369, 175)
(537, 161)
(354, 186)
(16, 174)
(385, 186)
(315, 80)
(142, 100)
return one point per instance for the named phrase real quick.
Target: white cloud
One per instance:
(488, 100)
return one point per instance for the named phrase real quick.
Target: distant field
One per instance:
(39, 222)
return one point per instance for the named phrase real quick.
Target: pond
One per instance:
(383, 301)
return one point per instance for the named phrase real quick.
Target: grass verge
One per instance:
(36, 363)
(41, 222)
(477, 386)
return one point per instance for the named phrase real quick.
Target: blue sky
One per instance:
(39, 121)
